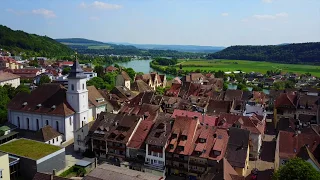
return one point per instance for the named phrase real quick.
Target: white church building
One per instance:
(65, 110)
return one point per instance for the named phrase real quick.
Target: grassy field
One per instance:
(247, 66)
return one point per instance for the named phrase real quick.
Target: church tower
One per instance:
(77, 95)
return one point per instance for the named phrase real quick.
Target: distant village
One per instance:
(196, 129)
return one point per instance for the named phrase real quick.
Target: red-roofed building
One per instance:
(203, 119)
(111, 69)
(289, 145)
(9, 63)
(285, 106)
(136, 148)
(255, 124)
(210, 144)
(179, 145)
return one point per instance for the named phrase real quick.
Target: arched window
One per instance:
(57, 125)
(18, 118)
(38, 124)
(70, 120)
(28, 123)
(83, 86)
(72, 87)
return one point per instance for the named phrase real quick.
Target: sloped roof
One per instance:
(232, 94)
(140, 86)
(290, 143)
(46, 133)
(237, 147)
(46, 99)
(140, 134)
(217, 106)
(6, 76)
(286, 99)
(182, 126)
(125, 76)
(94, 96)
(161, 130)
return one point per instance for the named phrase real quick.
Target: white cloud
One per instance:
(94, 18)
(225, 14)
(44, 12)
(267, 1)
(269, 16)
(100, 5)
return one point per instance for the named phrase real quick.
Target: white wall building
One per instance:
(53, 105)
(10, 79)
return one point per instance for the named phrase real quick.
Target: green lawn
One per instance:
(247, 66)
(28, 148)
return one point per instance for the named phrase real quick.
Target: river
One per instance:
(144, 66)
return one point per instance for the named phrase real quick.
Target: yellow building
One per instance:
(4, 166)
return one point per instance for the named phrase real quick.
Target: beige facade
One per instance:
(13, 82)
(4, 167)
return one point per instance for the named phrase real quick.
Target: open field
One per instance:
(247, 66)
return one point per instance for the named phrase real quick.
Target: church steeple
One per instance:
(76, 71)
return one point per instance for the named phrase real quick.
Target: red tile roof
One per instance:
(286, 99)
(111, 69)
(46, 99)
(180, 125)
(290, 143)
(140, 135)
(205, 119)
(250, 123)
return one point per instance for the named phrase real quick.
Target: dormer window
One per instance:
(217, 153)
(53, 107)
(202, 140)
(180, 148)
(39, 106)
(99, 100)
(183, 137)
(171, 146)
(173, 136)
(24, 104)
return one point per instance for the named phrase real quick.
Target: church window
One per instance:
(52, 141)
(28, 123)
(83, 86)
(57, 125)
(70, 120)
(72, 87)
(37, 124)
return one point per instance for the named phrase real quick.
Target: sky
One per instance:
(184, 22)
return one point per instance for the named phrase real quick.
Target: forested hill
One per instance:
(79, 41)
(288, 53)
(31, 44)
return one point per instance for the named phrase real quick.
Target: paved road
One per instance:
(265, 164)
(71, 157)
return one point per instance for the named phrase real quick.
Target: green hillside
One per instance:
(287, 53)
(31, 44)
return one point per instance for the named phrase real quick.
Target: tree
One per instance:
(22, 88)
(180, 66)
(256, 88)
(130, 72)
(219, 74)
(44, 79)
(34, 62)
(97, 82)
(99, 70)
(225, 86)
(66, 70)
(297, 169)
(110, 78)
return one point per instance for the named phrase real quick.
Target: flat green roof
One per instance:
(29, 148)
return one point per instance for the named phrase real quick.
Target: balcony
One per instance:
(158, 167)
